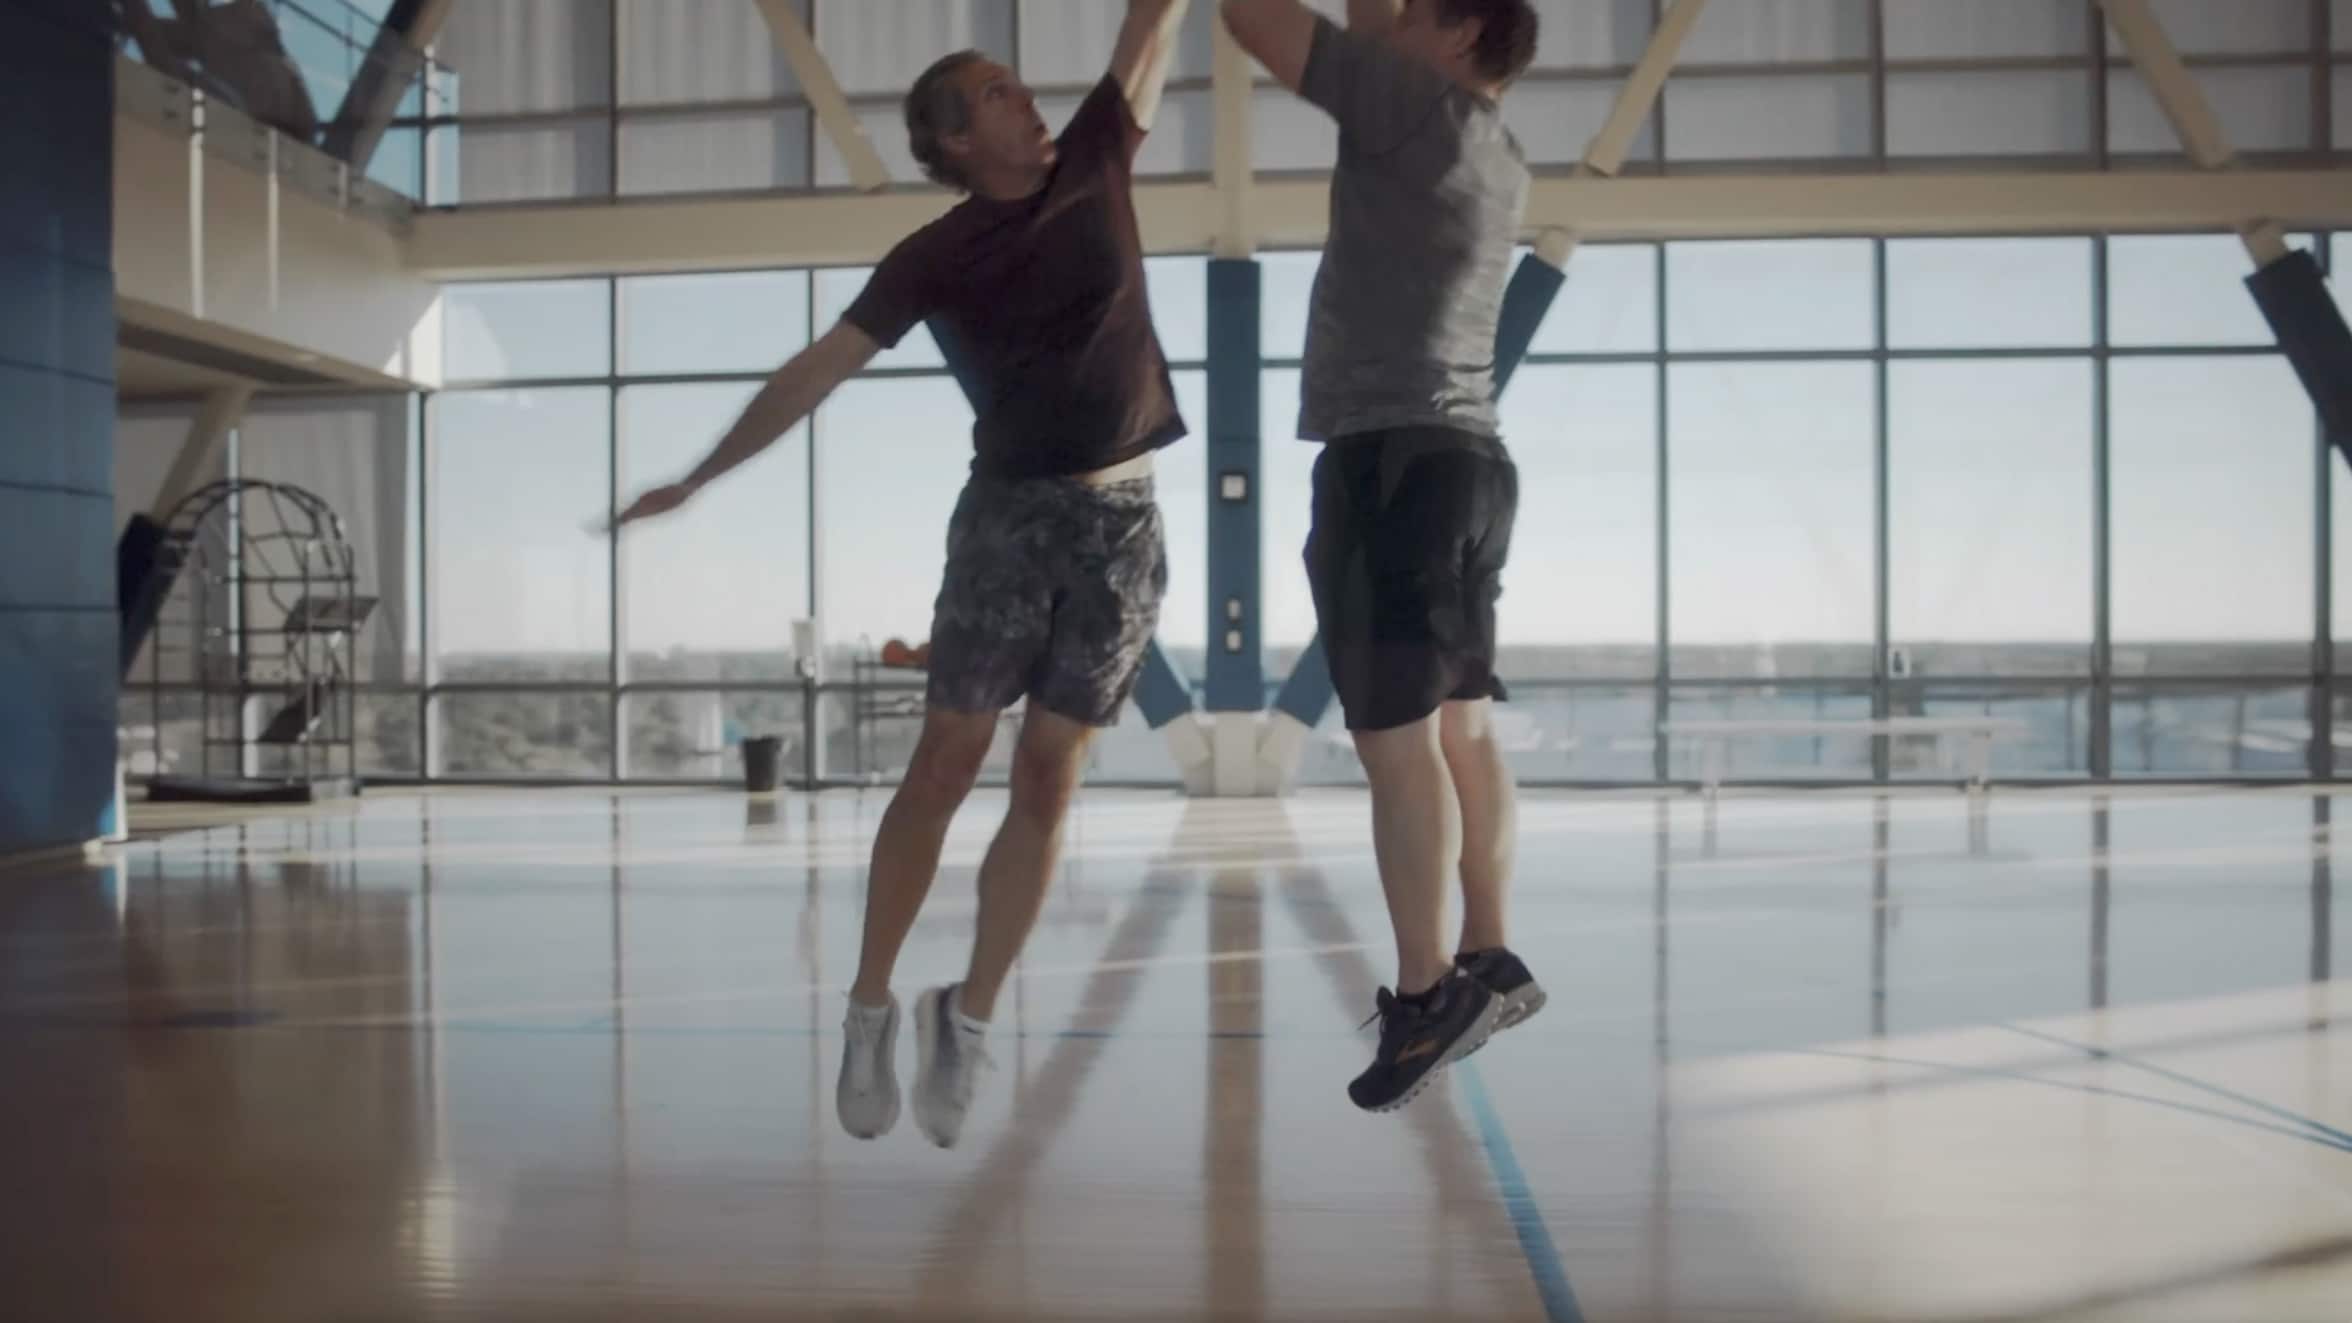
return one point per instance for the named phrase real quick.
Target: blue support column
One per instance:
(2293, 295)
(1160, 692)
(1236, 675)
(1534, 287)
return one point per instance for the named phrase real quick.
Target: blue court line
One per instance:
(2272, 1109)
(1535, 1240)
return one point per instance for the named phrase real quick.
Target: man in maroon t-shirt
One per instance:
(1055, 566)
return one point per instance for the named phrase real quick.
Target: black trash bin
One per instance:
(763, 758)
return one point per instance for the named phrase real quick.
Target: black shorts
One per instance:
(1052, 592)
(1405, 558)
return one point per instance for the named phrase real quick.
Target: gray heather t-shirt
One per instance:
(1425, 208)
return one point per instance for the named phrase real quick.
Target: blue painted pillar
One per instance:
(1236, 674)
(59, 638)
(1534, 287)
(1161, 693)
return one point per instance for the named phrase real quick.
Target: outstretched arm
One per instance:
(793, 393)
(1280, 33)
(1147, 46)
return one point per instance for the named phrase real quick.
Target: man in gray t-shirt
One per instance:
(1414, 493)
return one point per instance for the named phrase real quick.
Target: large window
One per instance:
(1769, 482)
(1760, 398)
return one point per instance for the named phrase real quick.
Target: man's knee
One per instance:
(947, 760)
(1465, 729)
(1046, 769)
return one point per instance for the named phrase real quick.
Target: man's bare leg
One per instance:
(1416, 837)
(946, 762)
(1021, 860)
(1490, 830)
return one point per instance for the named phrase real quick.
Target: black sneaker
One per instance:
(1504, 975)
(1420, 1036)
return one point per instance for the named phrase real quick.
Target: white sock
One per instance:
(865, 1012)
(955, 1011)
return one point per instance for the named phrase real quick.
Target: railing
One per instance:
(287, 64)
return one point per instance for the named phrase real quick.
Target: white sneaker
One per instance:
(867, 1097)
(951, 1054)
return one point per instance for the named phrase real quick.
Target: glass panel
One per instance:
(473, 163)
(162, 731)
(539, 328)
(1767, 118)
(1988, 293)
(390, 733)
(726, 151)
(1181, 480)
(742, 321)
(892, 457)
(1771, 489)
(1770, 294)
(1941, 30)
(838, 287)
(1286, 481)
(2056, 740)
(1178, 288)
(2183, 289)
(1609, 306)
(2203, 731)
(1990, 517)
(698, 735)
(1286, 288)
(1771, 755)
(399, 163)
(1580, 597)
(2212, 515)
(521, 587)
(1579, 733)
(523, 735)
(712, 590)
(1989, 113)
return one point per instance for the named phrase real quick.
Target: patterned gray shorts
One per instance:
(1052, 591)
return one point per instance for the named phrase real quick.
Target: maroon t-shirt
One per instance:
(1045, 296)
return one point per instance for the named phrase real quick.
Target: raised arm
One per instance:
(1371, 17)
(790, 395)
(1279, 33)
(1147, 46)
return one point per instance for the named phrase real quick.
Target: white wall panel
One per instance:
(720, 151)
(1069, 41)
(1768, 118)
(2231, 27)
(882, 45)
(2023, 113)
(701, 50)
(1984, 29)
(1775, 31)
(2261, 109)
(1588, 34)
(1555, 121)
(526, 55)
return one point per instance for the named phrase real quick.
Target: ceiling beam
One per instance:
(823, 90)
(1188, 216)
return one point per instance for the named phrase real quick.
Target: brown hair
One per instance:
(1506, 35)
(935, 109)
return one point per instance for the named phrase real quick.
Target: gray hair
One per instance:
(936, 109)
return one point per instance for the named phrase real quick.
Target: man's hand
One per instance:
(659, 501)
(1146, 47)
